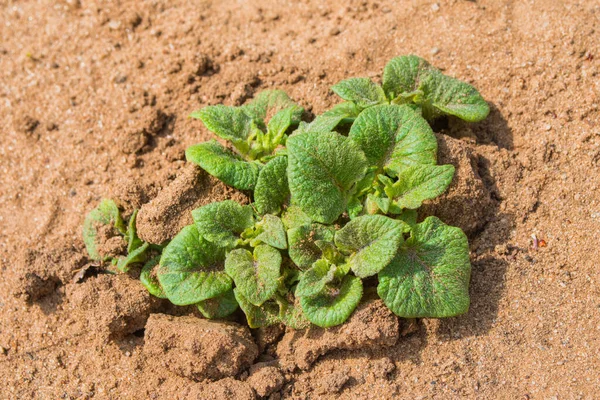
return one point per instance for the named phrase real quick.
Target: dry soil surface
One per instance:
(94, 98)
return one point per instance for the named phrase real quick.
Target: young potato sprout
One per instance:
(330, 209)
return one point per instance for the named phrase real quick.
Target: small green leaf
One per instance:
(222, 222)
(191, 269)
(371, 241)
(268, 102)
(218, 307)
(335, 305)
(341, 113)
(270, 231)
(255, 276)
(279, 124)
(409, 217)
(362, 91)
(412, 79)
(322, 168)
(133, 241)
(292, 315)
(136, 256)
(302, 247)
(294, 217)
(314, 280)
(430, 275)
(272, 191)
(224, 164)
(106, 213)
(258, 317)
(149, 279)
(394, 137)
(229, 123)
(420, 183)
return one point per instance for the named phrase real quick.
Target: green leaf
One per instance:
(420, 183)
(218, 307)
(270, 231)
(294, 217)
(430, 275)
(257, 317)
(149, 279)
(136, 256)
(371, 241)
(229, 123)
(191, 269)
(394, 137)
(107, 213)
(133, 241)
(255, 275)
(322, 168)
(268, 102)
(335, 306)
(409, 217)
(412, 79)
(362, 91)
(224, 164)
(292, 315)
(302, 247)
(314, 280)
(222, 222)
(272, 191)
(339, 114)
(280, 122)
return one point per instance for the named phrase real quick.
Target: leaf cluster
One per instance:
(332, 209)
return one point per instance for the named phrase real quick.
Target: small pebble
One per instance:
(548, 127)
(435, 7)
(127, 354)
(434, 51)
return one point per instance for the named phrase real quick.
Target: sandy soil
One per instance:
(93, 103)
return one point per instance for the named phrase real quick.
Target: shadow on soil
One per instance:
(488, 245)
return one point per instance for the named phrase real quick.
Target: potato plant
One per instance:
(330, 209)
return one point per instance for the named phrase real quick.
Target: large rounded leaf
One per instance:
(272, 191)
(430, 275)
(322, 168)
(334, 305)
(191, 269)
(219, 307)
(420, 183)
(256, 276)
(224, 164)
(223, 222)
(361, 91)
(394, 137)
(371, 241)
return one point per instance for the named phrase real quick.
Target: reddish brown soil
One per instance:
(94, 98)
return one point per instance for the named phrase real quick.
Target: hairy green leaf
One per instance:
(272, 191)
(302, 247)
(191, 269)
(265, 315)
(268, 102)
(322, 168)
(420, 183)
(107, 213)
(429, 277)
(230, 123)
(371, 241)
(279, 124)
(292, 315)
(149, 280)
(270, 230)
(294, 217)
(394, 137)
(218, 307)
(335, 305)
(412, 79)
(223, 222)
(255, 275)
(314, 280)
(224, 164)
(362, 91)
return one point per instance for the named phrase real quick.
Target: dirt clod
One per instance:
(265, 379)
(372, 325)
(162, 218)
(224, 389)
(199, 349)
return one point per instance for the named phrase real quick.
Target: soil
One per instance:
(94, 99)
